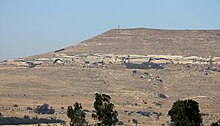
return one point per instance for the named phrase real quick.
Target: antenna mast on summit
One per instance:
(118, 27)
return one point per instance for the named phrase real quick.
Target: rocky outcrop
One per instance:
(19, 62)
(140, 59)
(105, 59)
(216, 60)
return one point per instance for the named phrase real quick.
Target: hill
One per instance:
(144, 41)
(143, 70)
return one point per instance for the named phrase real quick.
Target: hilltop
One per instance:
(144, 41)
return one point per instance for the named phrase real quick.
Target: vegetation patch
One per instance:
(44, 109)
(27, 120)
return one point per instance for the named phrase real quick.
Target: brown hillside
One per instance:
(202, 43)
(150, 41)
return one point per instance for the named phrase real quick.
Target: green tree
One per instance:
(104, 110)
(76, 115)
(185, 113)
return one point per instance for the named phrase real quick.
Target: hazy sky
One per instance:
(30, 27)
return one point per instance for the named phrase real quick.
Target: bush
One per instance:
(120, 123)
(29, 108)
(15, 105)
(185, 113)
(135, 121)
(26, 120)
(134, 72)
(44, 109)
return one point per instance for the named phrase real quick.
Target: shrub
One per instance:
(26, 120)
(120, 123)
(134, 72)
(15, 105)
(135, 121)
(29, 108)
(44, 109)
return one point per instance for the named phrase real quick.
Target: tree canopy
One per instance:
(215, 124)
(104, 110)
(76, 115)
(185, 113)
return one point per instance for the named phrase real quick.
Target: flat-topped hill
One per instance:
(142, 41)
(151, 41)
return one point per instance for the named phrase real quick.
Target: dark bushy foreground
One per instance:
(104, 110)
(27, 120)
(215, 124)
(77, 115)
(185, 113)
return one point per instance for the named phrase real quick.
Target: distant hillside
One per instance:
(203, 43)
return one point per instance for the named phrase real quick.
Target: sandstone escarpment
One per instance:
(105, 59)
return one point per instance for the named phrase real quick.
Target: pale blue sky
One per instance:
(30, 27)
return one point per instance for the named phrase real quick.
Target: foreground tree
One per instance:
(215, 124)
(104, 110)
(76, 115)
(185, 113)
